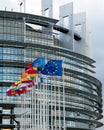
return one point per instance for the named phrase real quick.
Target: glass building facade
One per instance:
(72, 101)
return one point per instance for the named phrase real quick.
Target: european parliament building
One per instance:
(72, 101)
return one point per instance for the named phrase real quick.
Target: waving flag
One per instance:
(29, 65)
(24, 74)
(39, 62)
(53, 68)
(34, 74)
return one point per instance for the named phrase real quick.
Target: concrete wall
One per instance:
(66, 20)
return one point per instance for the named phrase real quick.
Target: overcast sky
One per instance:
(95, 16)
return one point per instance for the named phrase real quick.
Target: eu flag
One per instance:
(39, 62)
(53, 68)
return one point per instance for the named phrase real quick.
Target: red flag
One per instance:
(29, 65)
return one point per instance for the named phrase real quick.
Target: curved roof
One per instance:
(38, 20)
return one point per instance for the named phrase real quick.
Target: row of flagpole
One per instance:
(40, 101)
(40, 107)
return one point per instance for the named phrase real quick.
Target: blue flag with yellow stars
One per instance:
(53, 68)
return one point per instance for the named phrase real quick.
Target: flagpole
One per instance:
(32, 107)
(35, 105)
(51, 106)
(63, 98)
(55, 104)
(46, 86)
(59, 103)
